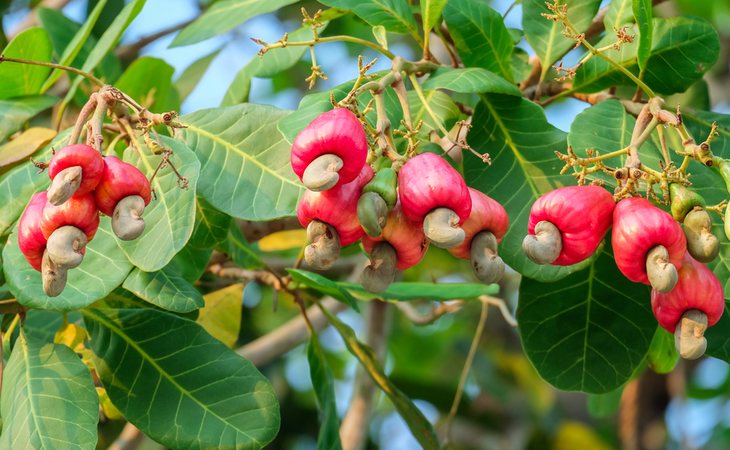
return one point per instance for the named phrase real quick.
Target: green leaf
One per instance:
(442, 106)
(211, 225)
(63, 31)
(149, 81)
(607, 127)
(480, 35)
(620, 13)
(663, 356)
(643, 14)
(407, 291)
(170, 217)
(164, 288)
(324, 389)
(16, 112)
(394, 15)
(104, 268)
(470, 80)
(718, 338)
(221, 316)
(47, 16)
(588, 331)
(154, 365)
(239, 249)
(107, 42)
(273, 62)
(223, 16)
(245, 161)
(23, 79)
(324, 285)
(683, 49)
(48, 399)
(430, 12)
(190, 262)
(546, 36)
(521, 143)
(420, 427)
(19, 184)
(189, 79)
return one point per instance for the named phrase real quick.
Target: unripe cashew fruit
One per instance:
(695, 303)
(401, 245)
(434, 193)
(330, 151)
(567, 225)
(122, 194)
(483, 230)
(702, 244)
(683, 201)
(31, 241)
(75, 169)
(337, 209)
(639, 228)
(378, 197)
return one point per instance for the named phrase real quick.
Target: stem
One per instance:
(465, 372)
(80, 72)
(8, 335)
(322, 40)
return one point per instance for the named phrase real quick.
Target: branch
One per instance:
(354, 427)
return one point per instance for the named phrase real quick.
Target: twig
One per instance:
(436, 311)
(80, 72)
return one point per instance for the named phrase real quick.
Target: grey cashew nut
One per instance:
(372, 212)
(53, 276)
(321, 174)
(662, 274)
(378, 275)
(689, 336)
(545, 245)
(65, 246)
(441, 227)
(324, 247)
(487, 265)
(64, 184)
(127, 221)
(702, 244)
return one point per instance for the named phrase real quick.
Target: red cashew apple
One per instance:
(31, 241)
(123, 193)
(75, 169)
(330, 218)
(330, 151)
(434, 193)
(400, 246)
(68, 228)
(696, 302)
(483, 230)
(567, 225)
(648, 245)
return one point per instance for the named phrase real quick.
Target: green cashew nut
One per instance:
(385, 185)
(702, 244)
(372, 212)
(683, 201)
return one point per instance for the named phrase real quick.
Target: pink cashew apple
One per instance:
(123, 193)
(567, 225)
(483, 230)
(75, 169)
(330, 151)
(648, 245)
(434, 193)
(330, 218)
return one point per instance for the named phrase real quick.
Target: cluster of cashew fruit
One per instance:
(57, 224)
(650, 246)
(396, 213)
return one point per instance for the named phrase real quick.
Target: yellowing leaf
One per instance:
(72, 336)
(283, 240)
(221, 316)
(572, 435)
(25, 145)
(110, 411)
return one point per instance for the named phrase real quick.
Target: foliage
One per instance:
(174, 332)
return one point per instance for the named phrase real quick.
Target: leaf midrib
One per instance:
(119, 332)
(245, 155)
